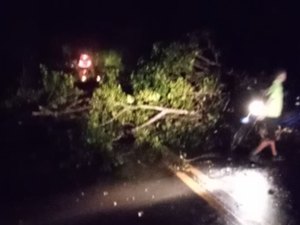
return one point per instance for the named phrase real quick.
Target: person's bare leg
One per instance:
(262, 146)
(273, 148)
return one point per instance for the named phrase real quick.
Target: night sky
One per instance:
(252, 35)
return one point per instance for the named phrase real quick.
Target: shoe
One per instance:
(277, 158)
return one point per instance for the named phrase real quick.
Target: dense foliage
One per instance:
(171, 105)
(56, 90)
(175, 100)
(110, 64)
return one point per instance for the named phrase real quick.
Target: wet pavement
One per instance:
(256, 194)
(163, 199)
(265, 194)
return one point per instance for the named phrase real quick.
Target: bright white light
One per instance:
(84, 56)
(84, 64)
(249, 188)
(85, 61)
(245, 120)
(98, 78)
(83, 78)
(257, 108)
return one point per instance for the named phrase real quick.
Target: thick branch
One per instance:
(152, 120)
(198, 66)
(159, 108)
(162, 112)
(115, 117)
(208, 61)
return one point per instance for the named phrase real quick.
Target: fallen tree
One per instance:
(176, 99)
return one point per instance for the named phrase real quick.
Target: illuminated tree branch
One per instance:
(159, 108)
(208, 61)
(163, 111)
(152, 120)
(114, 118)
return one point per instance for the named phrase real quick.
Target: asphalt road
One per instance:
(262, 194)
(253, 194)
(162, 199)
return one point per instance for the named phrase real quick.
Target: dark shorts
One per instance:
(271, 126)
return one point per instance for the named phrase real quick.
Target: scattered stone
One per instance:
(77, 199)
(146, 189)
(133, 198)
(82, 193)
(153, 197)
(105, 193)
(115, 204)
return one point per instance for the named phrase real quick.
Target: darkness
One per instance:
(252, 35)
